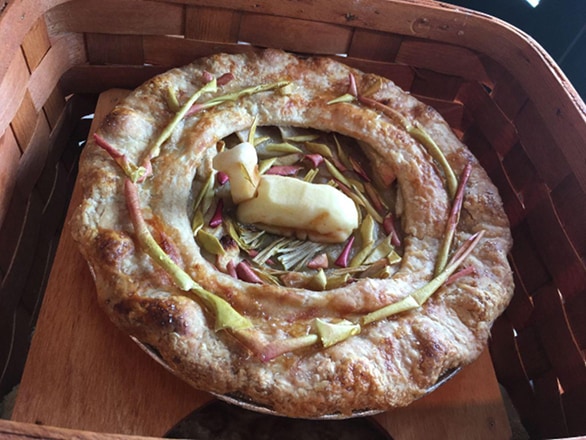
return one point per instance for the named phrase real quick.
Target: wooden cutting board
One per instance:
(82, 373)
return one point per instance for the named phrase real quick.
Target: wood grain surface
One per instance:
(10, 430)
(84, 374)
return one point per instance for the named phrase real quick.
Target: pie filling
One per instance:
(307, 184)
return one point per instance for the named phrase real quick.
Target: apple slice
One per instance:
(290, 206)
(331, 333)
(240, 163)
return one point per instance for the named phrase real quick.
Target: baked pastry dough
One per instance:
(320, 338)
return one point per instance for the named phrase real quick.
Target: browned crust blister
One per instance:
(392, 361)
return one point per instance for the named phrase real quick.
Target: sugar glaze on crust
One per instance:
(392, 361)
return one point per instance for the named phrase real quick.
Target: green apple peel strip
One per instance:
(418, 297)
(452, 223)
(226, 316)
(155, 149)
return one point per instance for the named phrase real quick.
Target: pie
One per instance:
(292, 232)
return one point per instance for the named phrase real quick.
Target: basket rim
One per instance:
(18, 17)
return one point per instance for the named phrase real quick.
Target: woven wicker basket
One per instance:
(499, 91)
